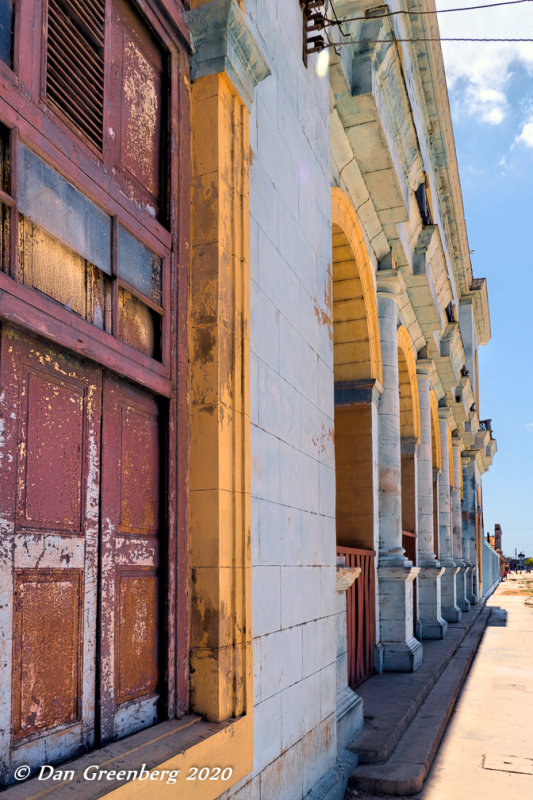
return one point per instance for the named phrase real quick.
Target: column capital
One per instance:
(469, 457)
(458, 443)
(425, 367)
(409, 445)
(390, 281)
(445, 414)
(223, 42)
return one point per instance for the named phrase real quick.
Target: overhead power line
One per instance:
(421, 39)
(410, 12)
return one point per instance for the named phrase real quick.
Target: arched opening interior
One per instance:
(353, 406)
(410, 436)
(409, 429)
(357, 372)
(436, 462)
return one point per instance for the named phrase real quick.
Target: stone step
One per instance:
(391, 700)
(406, 769)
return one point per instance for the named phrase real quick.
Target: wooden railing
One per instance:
(360, 613)
(409, 545)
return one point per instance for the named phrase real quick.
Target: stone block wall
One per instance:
(294, 613)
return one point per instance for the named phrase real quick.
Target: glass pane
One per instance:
(5, 161)
(55, 205)
(5, 217)
(138, 325)
(56, 270)
(139, 266)
(6, 32)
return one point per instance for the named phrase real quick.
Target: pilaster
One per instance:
(226, 65)
(349, 705)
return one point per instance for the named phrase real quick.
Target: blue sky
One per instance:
(491, 97)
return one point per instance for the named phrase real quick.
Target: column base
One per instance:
(460, 582)
(450, 610)
(471, 581)
(401, 651)
(349, 716)
(402, 656)
(431, 624)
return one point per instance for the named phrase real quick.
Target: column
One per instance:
(431, 623)
(457, 527)
(450, 610)
(468, 461)
(401, 651)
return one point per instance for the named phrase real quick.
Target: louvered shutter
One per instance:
(75, 63)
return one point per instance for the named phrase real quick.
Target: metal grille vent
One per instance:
(75, 63)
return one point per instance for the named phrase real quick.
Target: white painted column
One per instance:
(450, 610)
(391, 551)
(457, 527)
(469, 524)
(401, 651)
(431, 623)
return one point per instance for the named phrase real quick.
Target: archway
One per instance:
(357, 375)
(357, 367)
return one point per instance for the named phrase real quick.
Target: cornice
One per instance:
(223, 42)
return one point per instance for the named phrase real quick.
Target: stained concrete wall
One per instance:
(293, 478)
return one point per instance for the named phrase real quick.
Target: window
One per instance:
(98, 238)
(6, 32)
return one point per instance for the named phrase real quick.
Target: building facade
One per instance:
(241, 448)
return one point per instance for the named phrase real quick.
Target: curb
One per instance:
(406, 770)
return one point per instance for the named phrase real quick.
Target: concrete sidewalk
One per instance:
(487, 749)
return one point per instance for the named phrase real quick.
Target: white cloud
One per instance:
(529, 427)
(479, 73)
(526, 137)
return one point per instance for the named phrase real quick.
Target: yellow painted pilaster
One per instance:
(220, 655)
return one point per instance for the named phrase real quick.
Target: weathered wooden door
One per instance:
(129, 674)
(79, 554)
(49, 498)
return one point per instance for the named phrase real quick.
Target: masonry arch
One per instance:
(356, 343)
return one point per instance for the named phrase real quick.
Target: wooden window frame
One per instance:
(30, 120)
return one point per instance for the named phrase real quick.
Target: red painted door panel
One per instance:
(49, 504)
(79, 555)
(129, 673)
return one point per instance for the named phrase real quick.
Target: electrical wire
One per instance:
(422, 39)
(336, 21)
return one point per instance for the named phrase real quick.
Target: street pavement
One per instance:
(487, 750)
